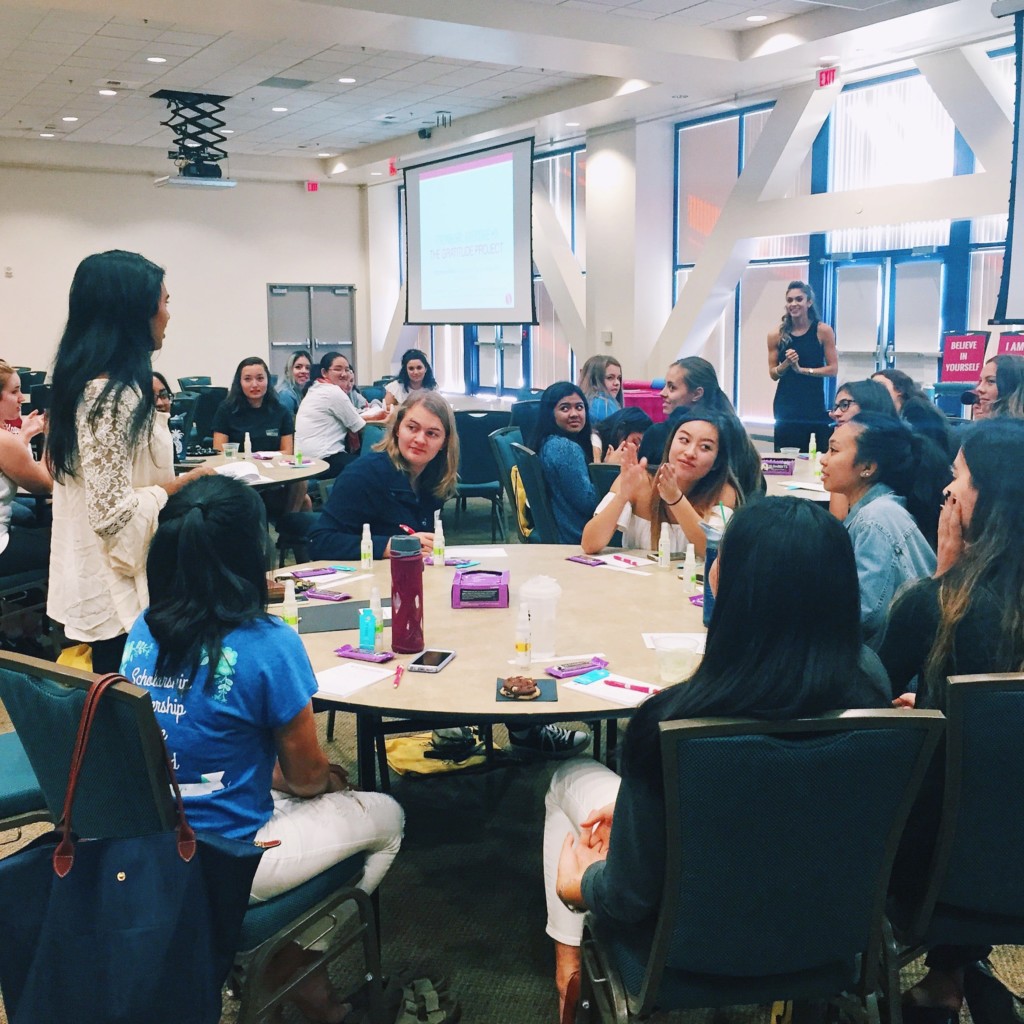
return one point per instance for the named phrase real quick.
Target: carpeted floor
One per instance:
(464, 899)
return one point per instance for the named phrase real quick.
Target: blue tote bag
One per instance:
(120, 931)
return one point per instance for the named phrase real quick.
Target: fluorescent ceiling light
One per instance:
(346, 81)
(69, 119)
(108, 92)
(279, 110)
(757, 17)
(157, 60)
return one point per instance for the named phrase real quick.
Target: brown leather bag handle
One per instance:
(64, 854)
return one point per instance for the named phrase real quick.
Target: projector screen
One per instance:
(469, 244)
(1010, 303)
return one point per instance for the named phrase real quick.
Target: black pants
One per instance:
(106, 654)
(26, 550)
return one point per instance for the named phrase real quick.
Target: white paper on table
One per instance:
(344, 680)
(695, 641)
(640, 569)
(244, 471)
(617, 695)
(469, 551)
(807, 485)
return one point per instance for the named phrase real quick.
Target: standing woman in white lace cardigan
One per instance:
(113, 470)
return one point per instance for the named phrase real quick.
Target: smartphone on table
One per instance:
(431, 661)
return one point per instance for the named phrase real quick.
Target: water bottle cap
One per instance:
(403, 546)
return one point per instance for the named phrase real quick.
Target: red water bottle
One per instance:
(406, 595)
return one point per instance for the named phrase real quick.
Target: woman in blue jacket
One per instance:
(402, 483)
(562, 440)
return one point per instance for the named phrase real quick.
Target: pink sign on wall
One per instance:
(1011, 344)
(963, 356)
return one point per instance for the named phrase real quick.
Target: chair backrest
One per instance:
(206, 407)
(371, 392)
(501, 445)
(974, 872)
(31, 379)
(370, 435)
(123, 787)
(183, 411)
(185, 383)
(602, 476)
(524, 416)
(477, 464)
(780, 838)
(531, 472)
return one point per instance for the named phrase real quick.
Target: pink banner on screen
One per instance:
(1011, 344)
(963, 356)
(468, 165)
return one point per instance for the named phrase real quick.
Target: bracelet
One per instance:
(669, 504)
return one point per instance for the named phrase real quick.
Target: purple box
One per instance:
(480, 588)
(777, 465)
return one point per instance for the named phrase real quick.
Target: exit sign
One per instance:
(312, 186)
(826, 76)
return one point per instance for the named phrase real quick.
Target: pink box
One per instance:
(480, 588)
(777, 465)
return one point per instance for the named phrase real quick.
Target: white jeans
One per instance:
(318, 833)
(578, 787)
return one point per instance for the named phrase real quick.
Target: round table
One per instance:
(275, 472)
(600, 610)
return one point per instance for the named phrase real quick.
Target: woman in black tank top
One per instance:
(801, 353)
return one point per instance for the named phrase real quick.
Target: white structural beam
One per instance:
(559, 271)
(982, 110)
(784, 143)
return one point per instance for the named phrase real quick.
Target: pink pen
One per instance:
(628, 561)
(631, 686)
(398, 675)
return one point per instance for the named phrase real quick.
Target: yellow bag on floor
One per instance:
(405, 756)
(79, 656)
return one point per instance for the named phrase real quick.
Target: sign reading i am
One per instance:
(1011, 344)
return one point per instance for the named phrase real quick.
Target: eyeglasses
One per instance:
(163, 394)
(843, 404)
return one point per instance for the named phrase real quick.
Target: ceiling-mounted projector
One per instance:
(182, 181)
(196, 126)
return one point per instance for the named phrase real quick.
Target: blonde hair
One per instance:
(592, 374)
(6, 372)
(441, 475)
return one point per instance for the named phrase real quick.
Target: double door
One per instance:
(888, 314)
(317, 318)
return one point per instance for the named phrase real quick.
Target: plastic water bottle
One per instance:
(366, 549)
(247, 446)
(406, 595)
(664, 548)
(522, 658)
(812, 455)
(690, 570)
(438, 555)
(378, 620)
(289, 607)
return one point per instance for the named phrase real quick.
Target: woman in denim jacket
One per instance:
(893, 480)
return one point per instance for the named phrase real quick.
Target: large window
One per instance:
(922, 277)
(890, 133)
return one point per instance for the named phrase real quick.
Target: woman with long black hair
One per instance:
(967, 619)
(801, 353)
(756, 664)
(893, 481)
(232, 689)
(112, 471)
(561, 438)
